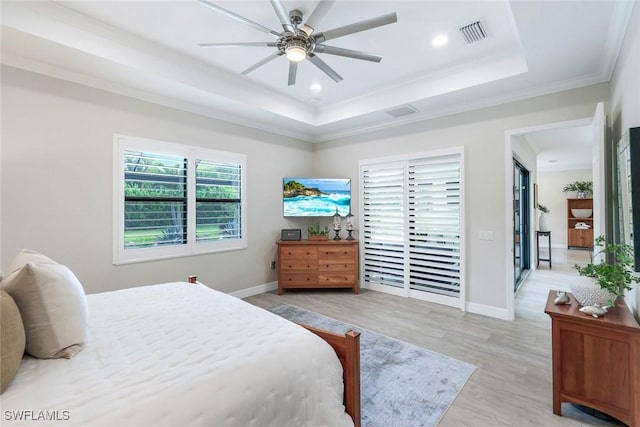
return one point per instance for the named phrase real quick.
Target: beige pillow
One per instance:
(12, 340)
(53, 308)
(25, 256)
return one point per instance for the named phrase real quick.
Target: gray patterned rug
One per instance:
(402, 385)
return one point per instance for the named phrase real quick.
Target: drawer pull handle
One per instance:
(289, 265)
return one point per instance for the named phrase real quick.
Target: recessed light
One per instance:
(440, 40)
(315, 88)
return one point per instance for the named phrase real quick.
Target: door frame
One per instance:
(508, 191)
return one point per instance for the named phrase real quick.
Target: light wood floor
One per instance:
(512, 385)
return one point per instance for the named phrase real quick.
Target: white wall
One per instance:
(625, 101)
(550, 185)
(482, 134)
(57, 161)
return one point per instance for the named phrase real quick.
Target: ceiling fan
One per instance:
(299, 41)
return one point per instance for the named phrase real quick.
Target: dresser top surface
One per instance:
(618, 317)
(317, 242)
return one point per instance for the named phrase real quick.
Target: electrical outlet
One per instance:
(273, 265)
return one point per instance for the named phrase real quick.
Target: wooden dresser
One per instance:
(596, 361)
(318, 264)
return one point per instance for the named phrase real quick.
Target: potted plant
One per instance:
(543, 223)
(582, 188)
(610, 278)
(315, 232)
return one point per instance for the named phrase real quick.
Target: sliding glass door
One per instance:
(412, 243)
(521, 229)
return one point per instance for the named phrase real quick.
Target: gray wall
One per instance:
(57, 180)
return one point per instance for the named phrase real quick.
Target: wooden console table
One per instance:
(318, 264)
(596, 361)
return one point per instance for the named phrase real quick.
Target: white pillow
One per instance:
(25, 256)
(53, 306)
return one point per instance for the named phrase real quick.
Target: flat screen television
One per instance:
(316, 196)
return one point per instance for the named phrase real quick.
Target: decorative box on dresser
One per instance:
(318, 264)
(577, 237)
(596, 361)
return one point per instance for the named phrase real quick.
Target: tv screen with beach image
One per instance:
(316, 196)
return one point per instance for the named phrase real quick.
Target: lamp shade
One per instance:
(295, 53)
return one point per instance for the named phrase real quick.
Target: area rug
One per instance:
(402, 385)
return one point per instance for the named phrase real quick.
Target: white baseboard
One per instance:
(255, 290)
(487, 310)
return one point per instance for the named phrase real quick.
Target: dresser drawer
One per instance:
(333, 279)
(337, 253)
(298, 258)
(337, 266)
(299, 279)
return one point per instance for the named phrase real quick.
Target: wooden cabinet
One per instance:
(579, 237)
(318, 264)
(596, 361)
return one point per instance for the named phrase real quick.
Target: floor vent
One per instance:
(402, 111)
(473, 32)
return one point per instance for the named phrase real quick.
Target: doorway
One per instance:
(515, 148)
(521, 229)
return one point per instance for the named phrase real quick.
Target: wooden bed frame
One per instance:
(347, 348)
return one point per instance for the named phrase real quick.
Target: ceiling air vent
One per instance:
(473, 32)
(402, 111)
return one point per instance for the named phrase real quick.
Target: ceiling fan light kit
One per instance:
(298, 42)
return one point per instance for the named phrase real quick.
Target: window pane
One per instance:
(155, 200)
(217, 201)
(217, 180)
(150, 224)
(217, 220)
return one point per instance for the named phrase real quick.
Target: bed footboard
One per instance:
(347, 347)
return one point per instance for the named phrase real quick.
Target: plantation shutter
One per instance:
(434, 225)
(155, 200)
(384, 230)
(218, 201)
(411, 235)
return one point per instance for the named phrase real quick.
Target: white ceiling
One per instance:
(149, 50)
(563, 148)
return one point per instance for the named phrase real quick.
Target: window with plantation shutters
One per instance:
(412, 226)
(175, 200)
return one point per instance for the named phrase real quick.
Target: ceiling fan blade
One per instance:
(238, 18)
(261, 62)
(242, 44)
(324, 67)
(332, 50)
(293, 70)
(283, 16)
(367, 24)
(316, 16)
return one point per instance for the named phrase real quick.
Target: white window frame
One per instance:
(124, 143)
(406, 291)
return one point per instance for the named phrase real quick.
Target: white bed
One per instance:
(181, 354)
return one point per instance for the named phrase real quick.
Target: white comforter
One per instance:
(182, 355)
